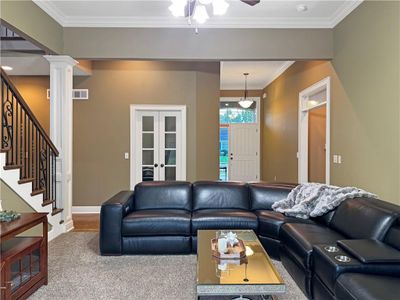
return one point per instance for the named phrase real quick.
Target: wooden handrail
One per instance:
(29, 111)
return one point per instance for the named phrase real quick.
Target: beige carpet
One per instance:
(77, 271)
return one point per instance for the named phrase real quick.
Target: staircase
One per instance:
(28, 157)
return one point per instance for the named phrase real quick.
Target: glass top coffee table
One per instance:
(253, 275)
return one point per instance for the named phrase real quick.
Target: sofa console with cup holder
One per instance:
(352, 252)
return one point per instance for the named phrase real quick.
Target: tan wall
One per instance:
(26, 18)
(207, 123)
(101, 124)
(365, 105)
(33, 89)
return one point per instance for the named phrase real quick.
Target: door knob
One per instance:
(155, 165)
(162, 165)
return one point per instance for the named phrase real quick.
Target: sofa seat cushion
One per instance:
(299, 240)
(223, 219)
(355, 286)
(270, 222)
(157, 222)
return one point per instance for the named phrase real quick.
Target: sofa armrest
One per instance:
(111, 214)
(370, 251)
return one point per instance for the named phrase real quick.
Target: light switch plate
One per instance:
(126, 155)
(335, 159)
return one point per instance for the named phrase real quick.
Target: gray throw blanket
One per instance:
(315, 199)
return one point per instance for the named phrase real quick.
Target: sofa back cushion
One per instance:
(325, 219)
(393, 236)
(362, 218)
(220, 195)
(263, 195)
(163, 195)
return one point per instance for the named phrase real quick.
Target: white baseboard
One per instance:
(86, 209)
(69, 226)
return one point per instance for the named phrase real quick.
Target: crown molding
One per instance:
(49, 8)
(261, 86)
(167, 22)
(344, 11)
(279, 72)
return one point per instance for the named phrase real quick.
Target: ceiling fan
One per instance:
(197, 10)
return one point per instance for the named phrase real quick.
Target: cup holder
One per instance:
(331, 249)
(342, 258)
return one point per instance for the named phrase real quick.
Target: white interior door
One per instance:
(147, 146)
(158, 150)
(170, 145)
(243, 152)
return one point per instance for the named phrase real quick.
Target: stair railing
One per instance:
(26, 144)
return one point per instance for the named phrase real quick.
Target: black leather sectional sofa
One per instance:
(163, 218)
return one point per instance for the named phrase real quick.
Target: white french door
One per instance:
(158, 146)
(243, 152)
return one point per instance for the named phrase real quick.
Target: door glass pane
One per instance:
(170, 124)
(170, 157)
(147, 173)
(170, 140)
(148, 123)
(26, 262)
(148, 157)
(148, 140)
(36, 255)
(170, 173)
(35, 268)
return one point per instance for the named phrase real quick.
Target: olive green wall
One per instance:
(366, 116)
(365, 110)
(33, 23)
(101, 124)
(210, 44)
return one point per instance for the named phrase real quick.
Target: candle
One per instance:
(222, 245)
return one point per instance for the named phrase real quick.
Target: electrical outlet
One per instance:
(126, 155)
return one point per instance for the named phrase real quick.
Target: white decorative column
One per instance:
(61, 118)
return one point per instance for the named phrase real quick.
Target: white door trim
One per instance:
(258, 117)
(303, 129)
(143, 107)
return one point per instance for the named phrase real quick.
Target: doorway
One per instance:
(314, 133)
(239, 140)
(158, 143)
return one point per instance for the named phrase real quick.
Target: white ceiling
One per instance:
(31, 65)
(261, 73)
(152, 13)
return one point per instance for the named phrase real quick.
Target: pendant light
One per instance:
(245, 102)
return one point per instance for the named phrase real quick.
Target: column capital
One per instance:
(61, 59)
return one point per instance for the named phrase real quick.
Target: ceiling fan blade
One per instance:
(251, 2)
(189, 8)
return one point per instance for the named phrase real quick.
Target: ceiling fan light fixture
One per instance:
(177, 8)
(200, 14)
(220, 7)
(205, 2)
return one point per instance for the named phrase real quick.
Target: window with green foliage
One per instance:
(233, 113)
